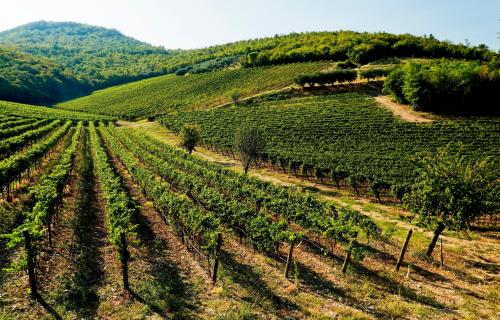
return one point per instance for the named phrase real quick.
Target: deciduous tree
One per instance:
(449, 191)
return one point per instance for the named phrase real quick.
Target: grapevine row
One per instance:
(120, 208)
(198, 224)
(13, 144)
(15, 130)
(13, 167)
(47, 197)
(266, 231)
(163, 94)
(260, 209)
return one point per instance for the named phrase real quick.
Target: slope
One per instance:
(160, 95)
(94, 57)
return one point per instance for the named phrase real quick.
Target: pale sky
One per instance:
(197, 23)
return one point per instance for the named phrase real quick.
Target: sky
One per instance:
(191, 24)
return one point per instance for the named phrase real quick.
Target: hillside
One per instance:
(94, 57)
(323, 175)
(33, 79)
(16, 110)
(163, 94)
(345, 133)
(358, 47)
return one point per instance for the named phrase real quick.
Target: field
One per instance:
(198, 240)
(320, 136)
(155, 96)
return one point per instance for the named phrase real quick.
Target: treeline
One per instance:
(357, 47)
(338, 76)
(447, 86)
(327, 77)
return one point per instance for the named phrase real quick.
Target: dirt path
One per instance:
(404, 112)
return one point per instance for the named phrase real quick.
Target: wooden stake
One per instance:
(348, 255)
(216, 258)
(31, 264)
(403, 250)
(124, 259)
(289, 259)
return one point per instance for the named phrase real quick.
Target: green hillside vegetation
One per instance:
(32, 79)
(358, 47)
(47, 62)
(447, 86)
(152, 97)
(13, 111)
(340, 135)
(93, 57)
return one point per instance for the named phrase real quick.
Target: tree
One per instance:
(191, 135)
(250, 142)
(235, 95)
(449, 191)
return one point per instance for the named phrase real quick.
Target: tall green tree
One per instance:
(191, 135)
(449, 191)
(250, 142)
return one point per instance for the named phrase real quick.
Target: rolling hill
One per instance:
(90, 57)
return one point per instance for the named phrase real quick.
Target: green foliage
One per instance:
(257, 209)
(235, 95)
(32, 79)
(373, 73)
(18, 110)
(326, 77)
(447, 86)
(452, 190)
(51, 61)
(346, 134)
(250, 142)
(191, 135)
(47, 195)
(11, 145)
(393, 85)
(120, 207)
(12, 167)
(169, 93)
(358, 47)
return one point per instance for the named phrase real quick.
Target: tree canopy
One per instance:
(449, 191)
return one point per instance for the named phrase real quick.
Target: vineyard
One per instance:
(151, 97)
(78, 185)
(311, 175)
(17, 113)
(340, 139)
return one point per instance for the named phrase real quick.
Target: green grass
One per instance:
(166, 93)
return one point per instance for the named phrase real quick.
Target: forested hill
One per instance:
(92, 57)
(357, 47)
(47, 62)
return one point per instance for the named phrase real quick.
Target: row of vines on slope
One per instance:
(267, 215)
(342, 139)
(47, 197)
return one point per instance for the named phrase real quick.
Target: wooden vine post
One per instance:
(216, 258)
(348, 254)
(124, 257)
(403, 250)
(289, 259)
(31, 264)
